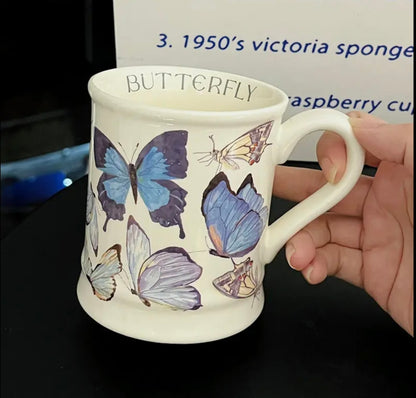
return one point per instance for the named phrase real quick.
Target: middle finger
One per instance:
(296, 184)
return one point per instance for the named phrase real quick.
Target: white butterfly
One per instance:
(101, 277)
(247, 148)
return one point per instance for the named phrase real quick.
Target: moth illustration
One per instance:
(101, 277)
(235, 221)
(92, 219)
(248, 148)
(241, 282)
(163, 277)
(163, 159)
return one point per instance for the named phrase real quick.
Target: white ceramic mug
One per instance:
(180, 183)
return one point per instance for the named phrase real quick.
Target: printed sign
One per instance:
(342, 54)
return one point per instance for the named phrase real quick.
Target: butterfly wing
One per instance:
(258, 137)
(102, 276)
(248, 147)
(253, 218)
(92, 219)
(238, 283)
(172, 146)
(93, 231)
(90, 204)
(160, 161)
(255, 201)
(217, 205)
(239, 149)
(114, 184)
(170, 214)
(138, 250)
(245, 236)
(165, 279)
(234, 227)
(86, 262)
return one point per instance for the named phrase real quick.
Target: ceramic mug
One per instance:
(180, 183)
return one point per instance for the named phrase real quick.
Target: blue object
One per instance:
(160, 161)
(33, 190)
(71, 161)
(31, 181)
(235, 221)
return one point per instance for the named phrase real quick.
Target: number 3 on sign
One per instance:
(163, 40)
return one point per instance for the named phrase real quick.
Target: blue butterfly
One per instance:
(235, 221)
(160, 161)
(163, 277)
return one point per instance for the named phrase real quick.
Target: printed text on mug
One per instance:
(185, 81)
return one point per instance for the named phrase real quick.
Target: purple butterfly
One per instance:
(163, 277)
(160, 161)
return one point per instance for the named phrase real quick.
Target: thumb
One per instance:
(388, 142)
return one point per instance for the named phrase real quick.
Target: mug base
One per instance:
(134, 319)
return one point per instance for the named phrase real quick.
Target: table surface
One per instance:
(330, 340)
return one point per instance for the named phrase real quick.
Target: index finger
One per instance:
(331, 150)
(388, 142)
(381, 141)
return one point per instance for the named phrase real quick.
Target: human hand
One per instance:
(367, 238)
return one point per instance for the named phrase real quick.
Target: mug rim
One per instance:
(277, 105)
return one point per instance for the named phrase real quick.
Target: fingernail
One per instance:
(365, 123)
(355, 121)
(329, 170)
(290, 251)
(308, 274)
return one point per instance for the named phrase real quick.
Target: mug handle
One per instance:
(289, 134)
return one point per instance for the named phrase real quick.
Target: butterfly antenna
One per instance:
(208, 156)
(134, 152)
(211, 137)
(122, 148)
(125, 153)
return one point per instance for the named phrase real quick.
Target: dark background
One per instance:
(49, 50)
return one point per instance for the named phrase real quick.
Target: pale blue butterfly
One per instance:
(235, 221)
(163, 277)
